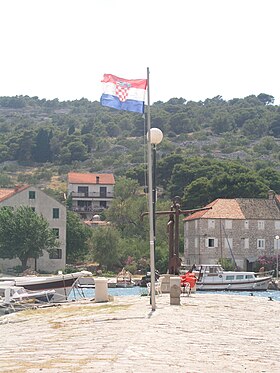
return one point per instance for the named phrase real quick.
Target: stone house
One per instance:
(90, 193)
(53, 211)
(243, 228)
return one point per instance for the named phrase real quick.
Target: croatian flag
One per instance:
(123, 94)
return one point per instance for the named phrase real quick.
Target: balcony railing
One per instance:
(92, 195)
(86, 209)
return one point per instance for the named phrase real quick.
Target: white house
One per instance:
(53, 211)
(90, 193)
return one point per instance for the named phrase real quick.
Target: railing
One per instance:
(87, 209)
(92, 195)
(263, 274)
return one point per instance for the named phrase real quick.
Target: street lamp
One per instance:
(277, 253)
(154, 137)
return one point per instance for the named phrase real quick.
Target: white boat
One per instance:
(214, 277)
(124, 279)
(61, 283)
(12, 293)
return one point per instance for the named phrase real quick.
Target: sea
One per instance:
(140, 291)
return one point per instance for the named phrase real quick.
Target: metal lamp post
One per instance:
(277, 253)
(154, 137)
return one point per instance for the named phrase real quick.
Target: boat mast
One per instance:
(230, 248)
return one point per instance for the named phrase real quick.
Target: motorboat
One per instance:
(124, 279)
(17, 298)
(61, 283)
(214, 277)
(12, 293)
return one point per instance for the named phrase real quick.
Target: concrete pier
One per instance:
(207, 333)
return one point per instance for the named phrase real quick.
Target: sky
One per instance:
(195, 49)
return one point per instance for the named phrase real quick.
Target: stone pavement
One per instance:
(206, 333)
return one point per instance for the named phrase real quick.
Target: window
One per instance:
(103, 192)
(56, 254)
(261, 243)
(239, 277)
(32, 194)
(55, 213)
(56, 232)
(277, 224)
(103, 204)
(228, 243)
(246, 224)
(246, 243)
(276, 244)
(211, 223)
(249, 276)
(228, 224)
(229, 278)
(260, 224)
(211, 242)
(83, 190)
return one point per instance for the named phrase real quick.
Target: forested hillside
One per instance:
(210, 148)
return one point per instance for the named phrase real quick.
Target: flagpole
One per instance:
(150, 194)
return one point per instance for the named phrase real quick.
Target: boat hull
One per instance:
(62, 284)
(257, 284)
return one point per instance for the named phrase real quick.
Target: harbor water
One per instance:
(140, 291)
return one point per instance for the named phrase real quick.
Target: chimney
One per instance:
(271, 194)
(97, 179)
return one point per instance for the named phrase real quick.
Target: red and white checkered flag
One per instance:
(122, 90)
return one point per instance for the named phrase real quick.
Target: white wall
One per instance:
(43, 205)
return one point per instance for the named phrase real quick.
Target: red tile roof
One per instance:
(6, 193)
(79, 178)
(239, 208)
(221, 209)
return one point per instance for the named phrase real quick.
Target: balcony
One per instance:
(93, 195)
(87, 209)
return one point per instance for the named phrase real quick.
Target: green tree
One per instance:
(125, 188)
(42, 149)
(24, 234)
(77, 238)
(197, 194)
(126, 216)
(5, 180)
(104, 250)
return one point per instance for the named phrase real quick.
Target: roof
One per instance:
(6, 193)
(239, 208)
(79, 178)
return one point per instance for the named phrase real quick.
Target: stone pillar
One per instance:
(101, 289)
(175, 290)
(165, 284)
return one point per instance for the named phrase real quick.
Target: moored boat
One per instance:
(214, 277)
(61, 283)
(124, 279)
(12, 293)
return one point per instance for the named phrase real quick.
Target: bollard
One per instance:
(7, 299)
(175, 290)
(165, 284)
(101, 289)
